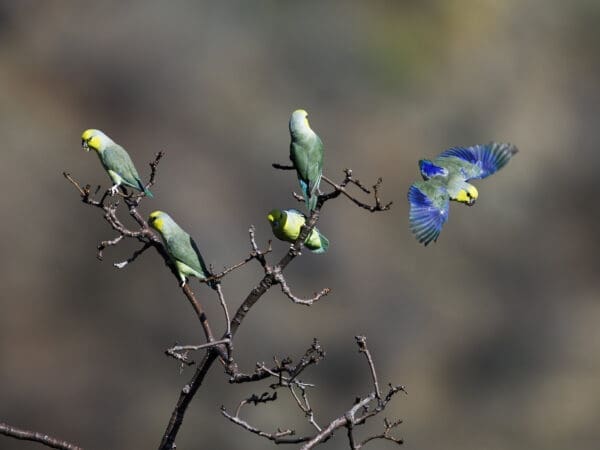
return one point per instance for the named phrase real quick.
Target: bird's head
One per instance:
(157, 220)
(95, 140)
(299, 122)
(275, 217)
(468, 195)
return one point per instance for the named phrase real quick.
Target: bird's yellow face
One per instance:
(467, 196)
(155, 220)
(305, 117)
(91, 140)
(274, 217)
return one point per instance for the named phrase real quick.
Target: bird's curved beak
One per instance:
(471, 202)
(85, 146)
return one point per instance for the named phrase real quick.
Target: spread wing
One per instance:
(483, 160)
(429, 206)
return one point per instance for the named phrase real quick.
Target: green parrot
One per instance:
(181, 247)
(445, 179)
(306, 152)
(115, 160)
(286, 226)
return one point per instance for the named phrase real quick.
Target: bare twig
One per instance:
(179, 348)
(256, 253)
(386, 435)
(122, 264)
(340, 188)
(362, 348)
(35, 436)
(363, 409)
(279, 278)
(180, 352)
(225, 310)
(279, 437)
(108, 243)
(284, 371)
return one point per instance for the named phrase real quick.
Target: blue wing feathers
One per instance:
(426, 219)
(429, 169)
(486, 159)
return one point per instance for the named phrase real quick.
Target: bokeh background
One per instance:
(493, 330)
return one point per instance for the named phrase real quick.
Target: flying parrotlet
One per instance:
(445, 179)
(115, 160)
(286, 226)
(306, 152)
(181, 247)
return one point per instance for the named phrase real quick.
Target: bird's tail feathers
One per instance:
(144, 190)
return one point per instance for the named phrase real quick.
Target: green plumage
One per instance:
(435, 190)
(306, 153)
(115, 160)
(446, 179)
(286, 225)
(181, 247)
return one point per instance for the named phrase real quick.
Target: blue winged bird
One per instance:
(445, 179)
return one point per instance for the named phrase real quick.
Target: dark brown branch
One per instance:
(313, 355)
(222, 349)
(36, 436)
(341, 189)
(199, 310)
(185, 397)
(122, 264)
(363, 408)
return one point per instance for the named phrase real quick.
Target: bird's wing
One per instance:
(315, 165)
(307, 157)
(118, 160)
(183, 248)
(429, 206)
(482, 160)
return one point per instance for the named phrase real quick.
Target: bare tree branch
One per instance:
(132, 258)
(35, 436)
(363, 409)
(284, 371)
(341, 189)
(279, 278)
(362, 348)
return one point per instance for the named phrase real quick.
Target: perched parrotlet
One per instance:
(306, 153)
(445, 179)
(286, 225)
(115, 160)
(181, 247)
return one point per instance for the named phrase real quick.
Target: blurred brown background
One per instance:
(494, 329)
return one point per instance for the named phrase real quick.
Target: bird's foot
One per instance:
(114, 189)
